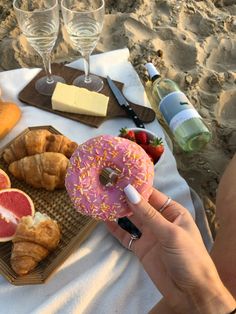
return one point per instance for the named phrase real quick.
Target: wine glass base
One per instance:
(95, 85)
(44, 88)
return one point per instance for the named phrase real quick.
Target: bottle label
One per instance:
(176, 108)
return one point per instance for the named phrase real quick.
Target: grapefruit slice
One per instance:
(14, 204)
(5, 182)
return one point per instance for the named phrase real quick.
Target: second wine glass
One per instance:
(83, 20)
(39, 22)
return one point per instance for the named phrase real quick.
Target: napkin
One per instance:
(101, 276)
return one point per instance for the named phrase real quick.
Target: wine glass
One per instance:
(83, 21)
(39, 22)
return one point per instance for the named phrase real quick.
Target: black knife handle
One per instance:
(128, 226)
(132, 114)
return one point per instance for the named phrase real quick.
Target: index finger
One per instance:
(146, 213)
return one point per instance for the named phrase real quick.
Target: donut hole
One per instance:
(109, 176)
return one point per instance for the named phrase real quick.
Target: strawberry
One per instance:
(130, 135)
(151, 158)
(144, 146)
(141, 137)
(155, 148)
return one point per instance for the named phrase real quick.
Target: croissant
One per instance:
(46, 170)
(36, 142)
(35, 237)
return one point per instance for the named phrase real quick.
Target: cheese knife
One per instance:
(124, 104)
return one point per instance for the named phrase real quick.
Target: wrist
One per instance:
(211, 300)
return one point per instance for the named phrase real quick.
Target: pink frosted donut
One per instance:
(89, 195)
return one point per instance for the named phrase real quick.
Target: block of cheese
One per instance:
(70, 98)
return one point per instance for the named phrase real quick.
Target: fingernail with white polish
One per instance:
(132, 194)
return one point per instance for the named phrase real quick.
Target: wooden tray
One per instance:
(75, 227)
(30, 96)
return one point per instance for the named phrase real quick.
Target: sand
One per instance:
(191, 42)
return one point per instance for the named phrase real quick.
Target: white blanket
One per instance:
(100, 276)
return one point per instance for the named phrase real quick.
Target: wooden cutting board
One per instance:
(30, 96)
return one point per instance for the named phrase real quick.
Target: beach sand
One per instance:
(191, 42)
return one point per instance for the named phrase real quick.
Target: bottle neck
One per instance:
(152, 71)
(155, 77)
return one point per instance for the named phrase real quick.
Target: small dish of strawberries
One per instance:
(152, 144)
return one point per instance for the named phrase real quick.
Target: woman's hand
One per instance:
(173, 254)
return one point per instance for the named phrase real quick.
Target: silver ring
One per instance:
(132, 238)
(166, 204)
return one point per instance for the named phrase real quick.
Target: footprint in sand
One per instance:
(196, 23)
(122, 5)
(222, 3)
(219, 54)
(178, 48)
(226, 108)
(211, 81)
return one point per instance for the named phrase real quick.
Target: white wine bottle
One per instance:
(184, 121)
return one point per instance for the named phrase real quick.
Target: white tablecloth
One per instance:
(101, 276)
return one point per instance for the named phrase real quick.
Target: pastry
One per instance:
(36, 142)
(34, 239)
(46, 170)
(10, 114)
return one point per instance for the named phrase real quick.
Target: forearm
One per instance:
(224, 249)
(224, 257)
(225, 197)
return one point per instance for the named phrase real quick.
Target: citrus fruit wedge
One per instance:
(14, 204)
(5, 182)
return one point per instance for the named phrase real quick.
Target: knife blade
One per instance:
(124, 104)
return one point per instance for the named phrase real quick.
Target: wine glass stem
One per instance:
(47, 67)
(87, 78)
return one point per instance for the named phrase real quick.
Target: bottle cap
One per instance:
(152, 71)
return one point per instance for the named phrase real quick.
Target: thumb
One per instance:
(150, 218)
